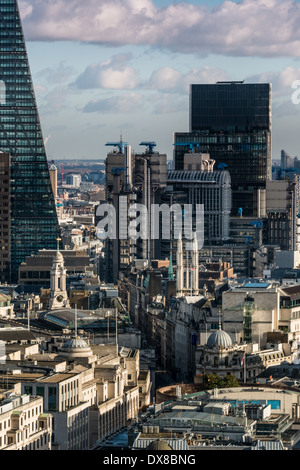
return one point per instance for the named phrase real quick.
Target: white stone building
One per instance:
(253, 310)
(23, 424)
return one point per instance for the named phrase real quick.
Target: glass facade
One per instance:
(230, 107)
(34, 222)
(232, 122)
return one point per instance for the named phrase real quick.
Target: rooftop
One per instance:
(56, 378)
(257, 285)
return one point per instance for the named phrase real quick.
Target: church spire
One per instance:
(58, 276)
(57, 241)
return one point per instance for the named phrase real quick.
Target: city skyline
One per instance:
(128, 70)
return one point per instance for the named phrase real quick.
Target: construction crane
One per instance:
(192, 145)
(150, 146)
(117, 171)
(222, 166)
(120, 145)
(248, 239)
(47, 139)
(257, 223)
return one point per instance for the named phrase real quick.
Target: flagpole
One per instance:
(243, 364)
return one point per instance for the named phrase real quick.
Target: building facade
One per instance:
(24, 425)
(33, 214)
(232, 122)
(5, 220)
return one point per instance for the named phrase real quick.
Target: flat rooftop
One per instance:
(56, 378)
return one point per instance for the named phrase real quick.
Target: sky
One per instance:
(110, 69)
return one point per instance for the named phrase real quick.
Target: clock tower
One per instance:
(58, 274)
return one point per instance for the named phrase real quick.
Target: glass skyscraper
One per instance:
(34, 222)
(232, 122)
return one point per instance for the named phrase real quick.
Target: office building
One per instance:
(254, 311)
(232, 122)
(118, 251)
(131, 179)
(33, 214)
(208, 187)
(23, 423)
(4, 217)
(150, 181)
(62, 397)
(53, 178)
(282, 208)
(73, 180)
(35, 270)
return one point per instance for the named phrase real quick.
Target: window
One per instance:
(40, 391)
(28, 389)
(52, 399)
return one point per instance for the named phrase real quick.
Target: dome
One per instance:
(76, 347)
(58, 257)
(159, 444)
(75, 343)
(219, 339)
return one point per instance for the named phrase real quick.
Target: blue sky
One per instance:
(105, 68)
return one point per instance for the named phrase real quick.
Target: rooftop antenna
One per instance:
(116, 331)
(28, 315)
(76, 320)
(220, 326)
(108, 313)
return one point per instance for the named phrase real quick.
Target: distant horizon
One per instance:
(83, 159)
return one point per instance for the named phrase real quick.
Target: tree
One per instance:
(215, 381)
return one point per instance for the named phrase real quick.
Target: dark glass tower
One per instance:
(34, 222)
(232, 122)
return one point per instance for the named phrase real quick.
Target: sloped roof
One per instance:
(16, 335)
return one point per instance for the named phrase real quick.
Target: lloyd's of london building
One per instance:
(33, 219)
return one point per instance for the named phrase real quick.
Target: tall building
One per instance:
(199, 183)
(4, 217)
(118, 251)
(150, 181)
(34, 222)
(282, 208)
(73, 180)
(132, 179)
(53, 178)
(232, 122)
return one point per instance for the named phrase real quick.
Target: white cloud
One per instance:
(281, 80)
(113, 74)
(166, 104)
(55, 100)
(249, 27)
(168, 79)
(165, 79)
(127, 103)
(59, 74)
(40, 90)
